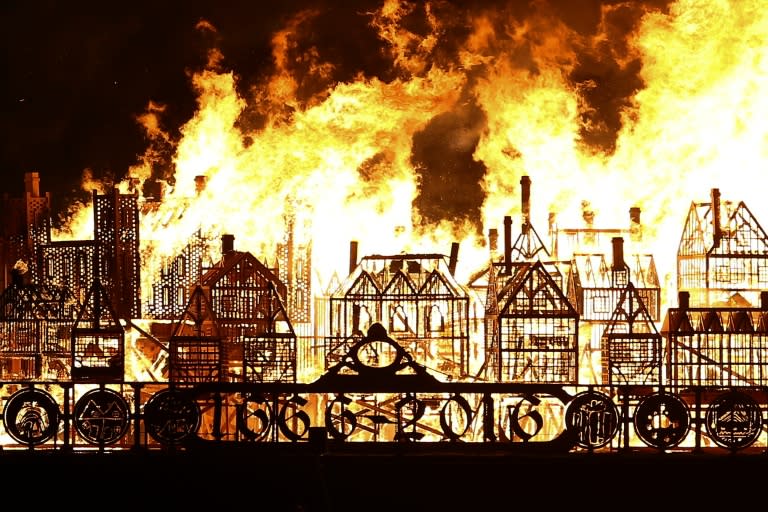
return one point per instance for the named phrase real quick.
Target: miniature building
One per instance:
(98, 340)
(195, 348)
(35, 326)
(26, 225)
(516, 260)
(171, 290)
(532, 328)
(116, 230)
(417, 300)
(716, 346)
(631, 346)
(723, 254)
(270, 355)
(595, 288)
(294, 270)
(247, 300)
(69, 262)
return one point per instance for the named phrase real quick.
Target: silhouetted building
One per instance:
(247, 298)
(116, 230)
(417, 300)
(26, 226)
(722, 259)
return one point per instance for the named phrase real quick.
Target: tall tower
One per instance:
(25, 227)
(116, 231)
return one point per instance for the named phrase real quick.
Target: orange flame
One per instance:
(341, 159)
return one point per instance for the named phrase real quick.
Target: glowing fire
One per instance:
(353, 160)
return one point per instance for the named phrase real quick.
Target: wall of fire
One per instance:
(548, 312)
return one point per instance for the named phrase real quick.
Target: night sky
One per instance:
(77, 74)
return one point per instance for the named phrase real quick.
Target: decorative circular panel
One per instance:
(662, 420)
(734, 420)
(592, 418)
(31, 416)
(101, 416)
(170, 416)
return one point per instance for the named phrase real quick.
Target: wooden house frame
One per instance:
(195, 347)
(595, 288)
(417, 300)
(723, 254)
(631, 347)
(98, 340)
(716, 346)
(247, 298)
(536, 328)
(35, 327)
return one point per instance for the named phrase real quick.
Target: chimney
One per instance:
(508, 244)
(352, 255)
(618, 253)
(32, 184)
(525, 187)
(635, 227)
(200, 182)
(717, 233)
(227, 244)
(493, 242)
(683, 300)
(454, 258)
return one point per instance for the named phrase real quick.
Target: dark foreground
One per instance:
(385, 479)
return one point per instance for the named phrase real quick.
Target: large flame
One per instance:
(434, 154)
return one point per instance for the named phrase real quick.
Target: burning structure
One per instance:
(723, 254)
(399, 334)
(418, 300)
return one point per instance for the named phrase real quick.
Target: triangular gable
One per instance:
(710, 322)
(528, 245)
(643, 271)
(277, 313)
(631, 312)
(97, 311)
(590, 270)
(363, 286)
(536, 292)
(197, 316)
(400, 284)
(677, 321)
(693, 240)
(743, 233)
(510, 283)
(252, 272)
(762, 323)
(437, 285)
(740, 321)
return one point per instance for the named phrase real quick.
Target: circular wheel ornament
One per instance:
(170, 416)
(101, 416)
(592, 418)
(734, 420)
(662, 420)
(31, 416)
